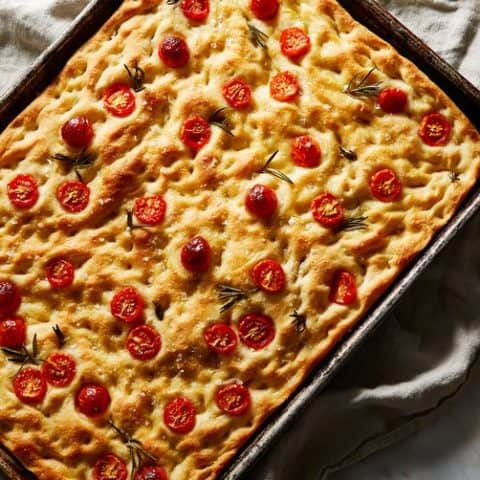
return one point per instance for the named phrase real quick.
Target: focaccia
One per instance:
(196, 210)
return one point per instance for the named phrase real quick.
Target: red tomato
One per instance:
(92, 400)
(306, 152)
(196, 132)
(392, 100)
(233, 399)
(385, 185)
(269, 276)
(237, 93)
(196, 255)
(110, 467)
(294, 42)
(261, 201)
(119, 100)
(435, 130)
(60, 273)
(143, 342)
(127, 305)
(150, 210)
(78, 132)
(328, 210)
(30, 385)
(180, 415)
(343, 289)
(151, 472)
(174, 52)
(256, 330)
(265, 9)
(10, 298)
(12, 332)
(220, 338)
(196, 10)
(59, 369)
(73, 196)
(23, 191)
(284, 87)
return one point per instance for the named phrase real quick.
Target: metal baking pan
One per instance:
(375, 17)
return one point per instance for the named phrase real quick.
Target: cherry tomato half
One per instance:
(119, 100)
(385, 185)
(180, 415)
(143, 342)
(392, 100)
(92, 400)
(12, 332)
(343, 289)
(269, 276)
(233, 399)
(73, 195)
(265, 9)
(110, 467)
(127, 305)
(435, 130)
(220, 338)
(174, 52)
(60, 273)
(294, 42)
(23, 191)
(306, 152)
(284, 87)
(196, 255)
(30, 386)
(59, 369)
(328, 210)
(261, 201)
(151, 472)
(196, 132)
(196, 10)
(150, 210)
(78, 132)
(10, 298)
(256, 330)
(237, 93)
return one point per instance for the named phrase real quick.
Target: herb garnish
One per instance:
(454, 176)
(354, 223)
(172, 2)
(299, 321)
(276, 173)
(159, 310)
(61, 339)
(130, 224)
(137, 76)
(23, 355)
(230, 295)
(359, 86)
(81, 161)
(348, 154)
(218, 119)
(257, 37)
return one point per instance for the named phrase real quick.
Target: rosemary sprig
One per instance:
(218, 119)
(454, 176)
(257, 37)
(137, 76)
(351, 224)
(359, 85)
(276, 173)
(78, 162)
(61, 339)
(299, 321)
(23, 356)
(348, 154)
(230, 295)
(159, 310)
(130, 225)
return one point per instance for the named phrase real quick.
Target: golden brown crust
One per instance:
(142, 154)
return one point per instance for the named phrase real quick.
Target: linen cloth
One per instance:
(422, 354)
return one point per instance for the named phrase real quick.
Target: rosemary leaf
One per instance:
(137, 77)
(218, 119)
(351, 224)
(257, 37)
(299, 321)
(348, 154)
(360, 87)
(454, 176)
(230, 295)
(61, 339)
(172, 2)
(272, 171)
(83, 160)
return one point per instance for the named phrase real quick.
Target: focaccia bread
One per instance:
(191, 216)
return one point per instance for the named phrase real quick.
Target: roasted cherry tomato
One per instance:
(73, 196)
(151, 472)
(150, 210)
(233, 399)
(119, 100)
(328, 210)
(392, 100)
(174, 52)
(180, 415)
(196, 255)
(196, 10)
(30, 385)
(127, 305)
(59, 369)
(306, 152)
(261, 201)
(143, 342)
(23, 191)
(12, 332)
(237, 93)
(220, 338)
(10, 298)
(435, 130)
(343, 289)
(265, 9)
(269, 276)
(294, 42)
(284, 87)
(385, 185)
(92, 400)
(78, 132)
(196, 132)
(60, 273)
(110, 467)
(256, 330)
